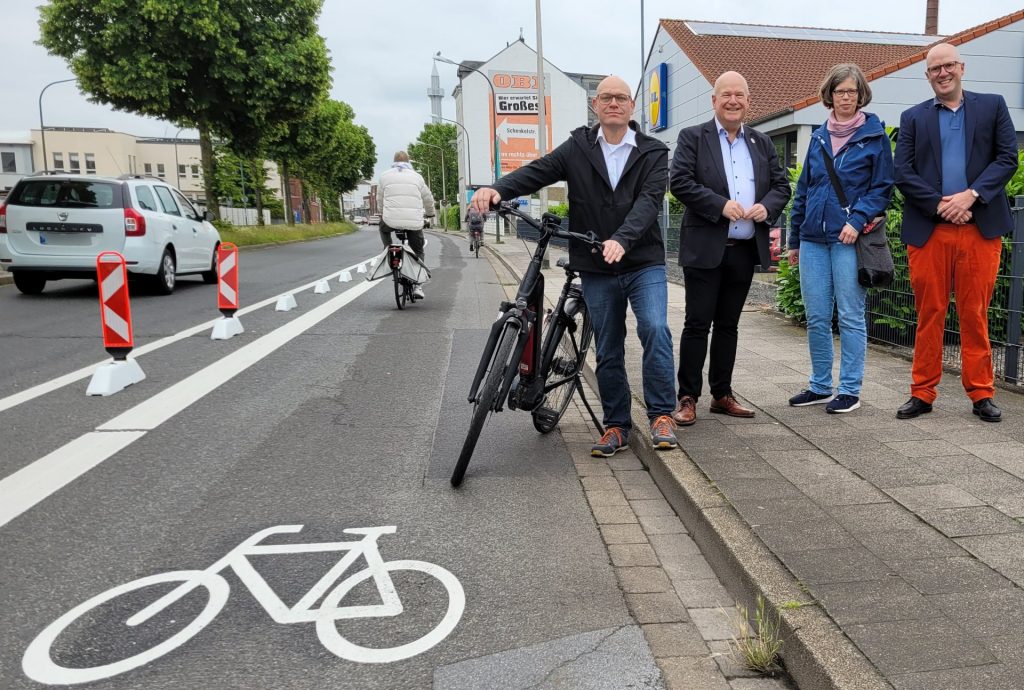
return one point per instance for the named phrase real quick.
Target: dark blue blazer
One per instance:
(991, 162)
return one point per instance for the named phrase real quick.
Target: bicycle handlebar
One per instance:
(549, 224)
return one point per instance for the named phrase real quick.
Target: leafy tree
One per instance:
(232, 69)
(427, 149)
(232, 171)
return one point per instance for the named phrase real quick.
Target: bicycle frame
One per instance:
(302, 611)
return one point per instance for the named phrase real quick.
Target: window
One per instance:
(148, 167)
(160, 172)
(785, 148)
(181, 170)
(167, 201)
(195, 172)
(90, 164)
(67, 194)
(7, 163)
(58, 161)
(184, 204)
(74, 165)
(144, 195)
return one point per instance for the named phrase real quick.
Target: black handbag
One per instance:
(875, 268)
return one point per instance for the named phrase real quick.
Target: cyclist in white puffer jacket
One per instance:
(405, 200)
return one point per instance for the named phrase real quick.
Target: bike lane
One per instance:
(345, 427)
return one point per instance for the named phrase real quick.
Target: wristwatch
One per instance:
(973, 193)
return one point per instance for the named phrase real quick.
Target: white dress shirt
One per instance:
(616, 155)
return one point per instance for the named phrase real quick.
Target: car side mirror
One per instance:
(207, 214)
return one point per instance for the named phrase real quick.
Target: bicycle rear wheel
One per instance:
(396, 274)
(476, 249)
(486, 397)
(561, 372)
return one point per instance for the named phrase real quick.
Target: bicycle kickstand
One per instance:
(586, 404)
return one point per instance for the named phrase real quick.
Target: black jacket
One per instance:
(698, 180)
(628, 214)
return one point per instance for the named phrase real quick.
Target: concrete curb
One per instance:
(816, 652)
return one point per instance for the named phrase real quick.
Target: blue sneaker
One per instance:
(613, 440)
(663, 432)
(809, 397)
(843, 403)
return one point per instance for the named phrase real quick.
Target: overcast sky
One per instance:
(381, 51)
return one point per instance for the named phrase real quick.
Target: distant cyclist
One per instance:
(476, 227)
(406, 201)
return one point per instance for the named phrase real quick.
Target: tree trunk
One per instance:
(206, 150)
(258, 188)
(307, 211)
(289, 218)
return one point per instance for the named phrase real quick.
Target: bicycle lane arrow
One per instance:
(33, 483)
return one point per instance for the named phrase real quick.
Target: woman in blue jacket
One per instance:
(823, 233)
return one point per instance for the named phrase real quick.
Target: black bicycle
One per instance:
(476, 241)
(538, 375)
(405, 287)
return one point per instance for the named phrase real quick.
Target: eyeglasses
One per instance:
(606, 98)
(936, 70)
(845, 93)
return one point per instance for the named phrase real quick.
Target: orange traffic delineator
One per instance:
(115, 307)
(116, 320)
(227, 293)
(227, 279)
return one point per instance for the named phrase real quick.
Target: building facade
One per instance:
(506, 87)
(785, 65)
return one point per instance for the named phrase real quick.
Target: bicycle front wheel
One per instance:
(396, 274)
(487, 397)
(40, 667)
(570, 350)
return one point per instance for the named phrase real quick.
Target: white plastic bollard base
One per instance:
(345, 277)
(113, 376)
(321, 287)
(361, 268)
(286, 303)
(225, 328)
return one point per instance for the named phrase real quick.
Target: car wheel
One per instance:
(29, 283)
(164, 280)
(210, 277)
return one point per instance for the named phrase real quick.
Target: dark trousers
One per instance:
(714, 302)
(415, 238)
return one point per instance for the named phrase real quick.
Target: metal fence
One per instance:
(892, 317)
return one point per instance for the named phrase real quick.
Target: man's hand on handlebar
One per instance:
(484, 199)
(612, 251)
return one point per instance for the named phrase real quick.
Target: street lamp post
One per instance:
(177, 166)
(42, 127)
(469, 158)
(494, 109)
(444, 187)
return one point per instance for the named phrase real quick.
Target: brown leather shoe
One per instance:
(727, 405)
(685, 413)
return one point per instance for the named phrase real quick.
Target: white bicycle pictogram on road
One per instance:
(38, 664)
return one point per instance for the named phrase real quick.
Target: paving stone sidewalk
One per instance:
(908, 534)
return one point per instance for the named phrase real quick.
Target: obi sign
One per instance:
(516, 109)
(657, 97)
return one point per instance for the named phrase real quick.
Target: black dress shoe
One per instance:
(987, 410)
(913, 408)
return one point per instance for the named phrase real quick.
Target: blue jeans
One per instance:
(828, 275)
(646, 292)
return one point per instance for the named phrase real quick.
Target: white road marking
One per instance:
(33, 483)
(38, 390)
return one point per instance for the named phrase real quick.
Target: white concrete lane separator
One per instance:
(322, 287)
(286, 302)
(227, 293)
(116, 319)
(41, 389)
(345, 277)
(33, 483)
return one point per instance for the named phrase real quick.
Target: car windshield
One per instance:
(67, 194)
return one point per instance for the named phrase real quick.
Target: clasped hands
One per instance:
(956, 208)
(734, 211)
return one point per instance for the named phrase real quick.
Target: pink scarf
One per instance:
(840, 132)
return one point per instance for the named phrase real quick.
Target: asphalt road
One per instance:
(345, 413)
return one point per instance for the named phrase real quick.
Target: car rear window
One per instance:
(67, 194)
